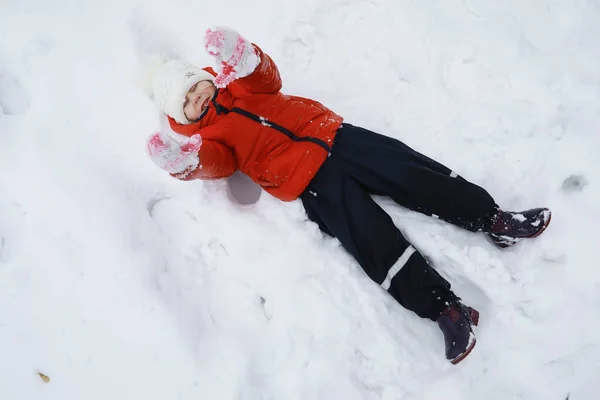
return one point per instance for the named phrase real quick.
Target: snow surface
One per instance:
(119, 282)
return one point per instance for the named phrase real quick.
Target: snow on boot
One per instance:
(510, 227)
(456, 323)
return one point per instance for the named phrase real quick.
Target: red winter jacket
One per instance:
(279, 141)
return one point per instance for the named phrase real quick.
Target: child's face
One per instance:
(197, 99)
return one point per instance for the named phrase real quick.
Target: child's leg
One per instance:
(342, 208)
(388, 167)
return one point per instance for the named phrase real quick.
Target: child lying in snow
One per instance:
(236, 118)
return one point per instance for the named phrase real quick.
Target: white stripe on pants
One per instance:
(397, 267)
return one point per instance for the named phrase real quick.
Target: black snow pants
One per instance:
(363, 163)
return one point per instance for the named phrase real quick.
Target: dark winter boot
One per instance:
(456, 323)
(510, 227)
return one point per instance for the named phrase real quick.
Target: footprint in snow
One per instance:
(574, 183)
(150, 204)
(14, 99)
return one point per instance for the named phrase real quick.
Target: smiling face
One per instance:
(197, 99)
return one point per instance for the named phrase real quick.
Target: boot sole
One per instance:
(509, 241)
(543, 227)
(472, 342)
(474, 316)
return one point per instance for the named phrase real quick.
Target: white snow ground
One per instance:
(118, 282)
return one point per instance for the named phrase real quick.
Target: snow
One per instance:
(118, 281)
(519, 217)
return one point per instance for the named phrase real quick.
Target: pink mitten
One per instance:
(172, 156)
(235, 55)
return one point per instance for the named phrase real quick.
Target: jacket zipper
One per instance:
(265, 122)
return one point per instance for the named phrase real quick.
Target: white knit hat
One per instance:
(167, 83)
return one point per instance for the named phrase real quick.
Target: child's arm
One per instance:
(265, 78)
(216, 162)
(191, 159)
(238, 59)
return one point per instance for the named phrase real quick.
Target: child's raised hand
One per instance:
(236, 57)
(172, 156)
